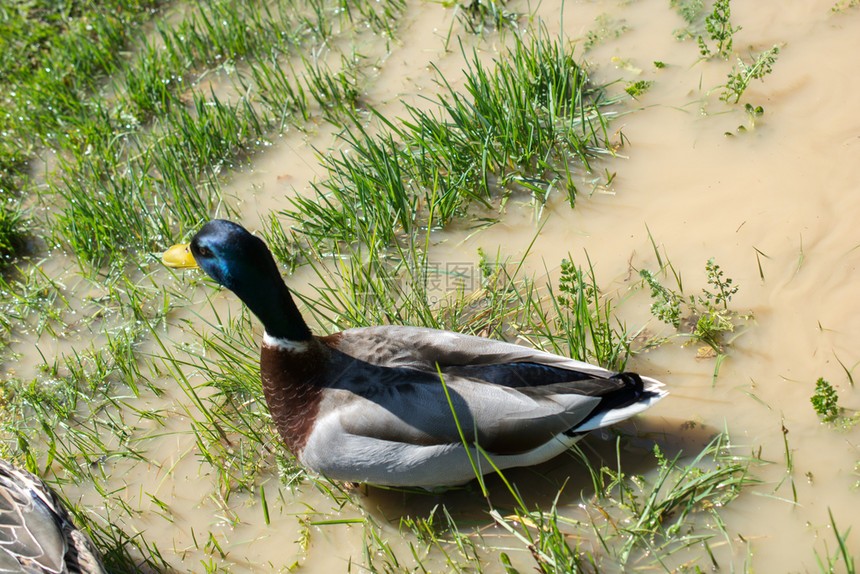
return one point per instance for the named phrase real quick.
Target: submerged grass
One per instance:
(76, 418)
(479, 16)
(841, 552)
(580, 322)
(521, 126)
(638, 521)
(146, 148)
(357, 286)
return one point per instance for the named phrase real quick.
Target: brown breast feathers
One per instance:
(293, 385)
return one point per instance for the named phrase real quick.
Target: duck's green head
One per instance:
(241, 262)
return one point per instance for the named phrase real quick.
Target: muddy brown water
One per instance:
(787, 188)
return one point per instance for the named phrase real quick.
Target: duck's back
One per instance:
(422, 348)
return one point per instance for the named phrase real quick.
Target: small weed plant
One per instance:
(708, 315)
(825, 401)
(843, 5)
(585, 316)
(636, 89)
(743, 73)
(607, 29)
(720, 31)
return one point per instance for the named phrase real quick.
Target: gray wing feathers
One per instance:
(503, 420)
(421, 348)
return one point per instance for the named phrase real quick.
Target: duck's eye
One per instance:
(204, 251)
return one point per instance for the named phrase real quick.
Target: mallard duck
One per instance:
(36, 533)
(369, 404)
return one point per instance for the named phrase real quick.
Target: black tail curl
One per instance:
(632, 392)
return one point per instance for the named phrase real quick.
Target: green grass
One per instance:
(12, 231)
(146, 155)
(234, 434)
(54, 56)
(34, 303)
(639, 522)
(108, 190)
(75, 416)
(841, 552)
(579, 320)
(358, 287)
(514, 130)
(636, 522)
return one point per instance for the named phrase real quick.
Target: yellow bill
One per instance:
(179, 257)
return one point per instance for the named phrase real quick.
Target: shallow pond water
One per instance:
(772, 198)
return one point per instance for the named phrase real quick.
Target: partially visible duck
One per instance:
(36, 532)
(368, 405)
